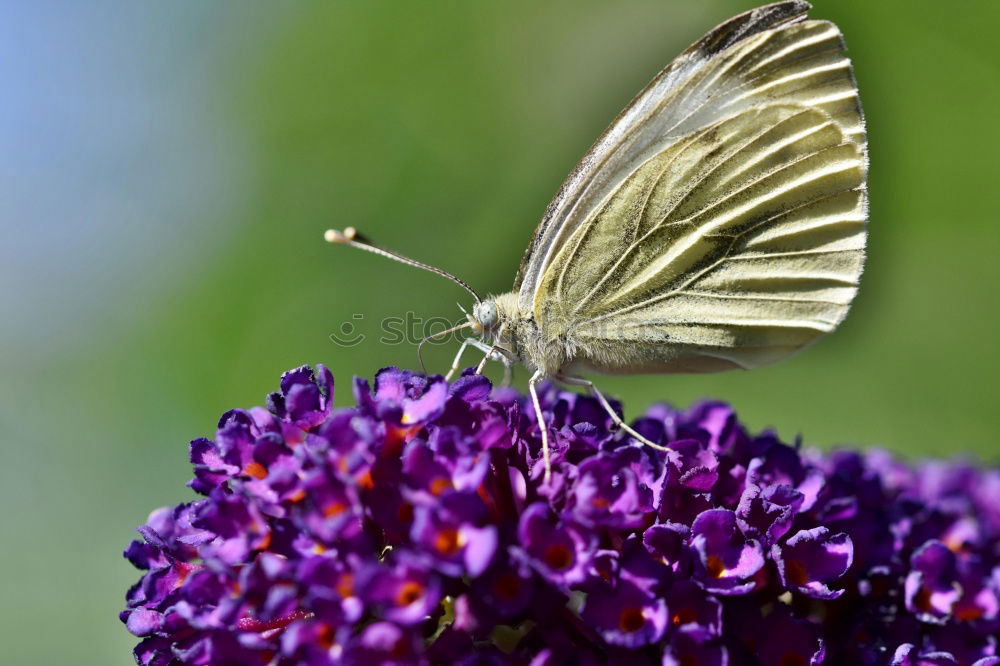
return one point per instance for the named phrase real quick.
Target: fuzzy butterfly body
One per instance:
(718, 223)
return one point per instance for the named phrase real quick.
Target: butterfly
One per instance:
(719, 223)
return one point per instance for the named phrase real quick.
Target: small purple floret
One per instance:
(809, 560)
(726, 559)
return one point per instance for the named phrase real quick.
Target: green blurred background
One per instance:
(169, 168)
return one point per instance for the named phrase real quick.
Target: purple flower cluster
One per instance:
(417, 528)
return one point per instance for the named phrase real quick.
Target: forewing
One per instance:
(736, 235)
(684, 97)
(758, 252)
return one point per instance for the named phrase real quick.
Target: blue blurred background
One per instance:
(168, 170)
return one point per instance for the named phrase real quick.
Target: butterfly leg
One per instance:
(589, 385)
(508, 371)
(494, 353)
(498, 354)
(468, 342)
(532, 383)
(495, 349)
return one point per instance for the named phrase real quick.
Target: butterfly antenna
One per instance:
(350, 236)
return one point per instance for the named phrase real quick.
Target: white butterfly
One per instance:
(718, 223)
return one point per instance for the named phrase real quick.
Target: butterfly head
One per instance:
(484, 317)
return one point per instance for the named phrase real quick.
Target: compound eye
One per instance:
(486, 314)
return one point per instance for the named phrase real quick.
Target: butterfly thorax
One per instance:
(517, 332)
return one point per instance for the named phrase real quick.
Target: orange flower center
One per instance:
(507, 586)
(365, 480)
(631, 620)
(558, 557)
(255, 469)
(439, 486)
(447, 542)
(716, 567)
(796, 573)
(685, 615)
(325, 637)
(334, 508)
(409, 592)
(345, 585)
(968, 613)
(923, 600)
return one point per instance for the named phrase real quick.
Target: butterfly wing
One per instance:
(720, 221)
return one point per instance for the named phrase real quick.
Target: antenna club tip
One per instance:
(335, 236)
